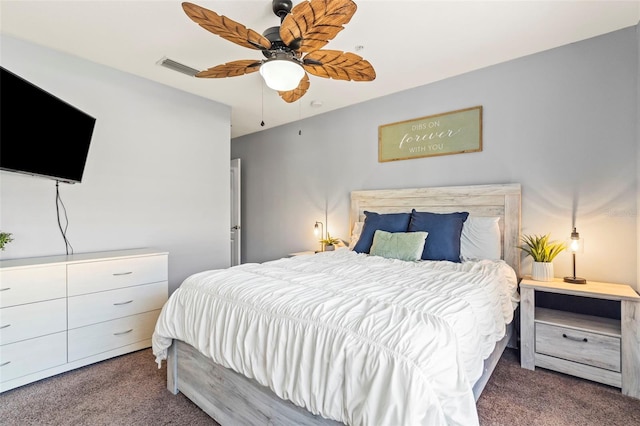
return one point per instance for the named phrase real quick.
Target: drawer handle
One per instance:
(123, 332)
(5, 289)
(5, 363)
(117, 274)
(5, 326)
(575, 339)
(122, 303)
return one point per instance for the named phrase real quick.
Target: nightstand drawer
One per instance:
(581, 346)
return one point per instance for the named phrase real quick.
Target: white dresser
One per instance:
(63, 312)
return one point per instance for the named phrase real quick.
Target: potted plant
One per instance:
(329, 242)
(5, 238)
(543, 251)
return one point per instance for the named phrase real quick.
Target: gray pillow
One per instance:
(398, 245)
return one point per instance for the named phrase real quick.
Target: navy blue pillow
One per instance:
(390, 222)
(443, 241)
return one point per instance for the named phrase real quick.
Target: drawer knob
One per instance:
(117, 274)
(4, 326)
(123, 303)
(575, 339)
(5, 289)
(5, 363)
(123, 332)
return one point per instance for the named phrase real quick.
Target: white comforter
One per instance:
(355, 338)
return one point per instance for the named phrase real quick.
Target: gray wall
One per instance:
(562, 123)
(157, 174)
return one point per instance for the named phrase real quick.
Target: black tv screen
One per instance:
(41, 134)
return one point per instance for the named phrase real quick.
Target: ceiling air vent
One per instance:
(177, 66)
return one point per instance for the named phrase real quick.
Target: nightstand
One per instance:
(595, 348)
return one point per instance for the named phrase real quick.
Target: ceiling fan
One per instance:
(292, 49)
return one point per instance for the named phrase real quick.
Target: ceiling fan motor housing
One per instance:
(281, 7)
(277, 45)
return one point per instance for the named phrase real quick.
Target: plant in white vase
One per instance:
(329, 242)
(543, 251)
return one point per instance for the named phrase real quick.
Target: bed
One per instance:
(352, 337)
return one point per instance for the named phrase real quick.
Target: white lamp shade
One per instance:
(281, 74)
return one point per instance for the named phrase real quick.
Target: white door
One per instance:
(236, 230)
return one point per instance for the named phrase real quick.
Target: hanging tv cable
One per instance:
(63, 230)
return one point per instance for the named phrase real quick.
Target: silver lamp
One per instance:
(575, 245)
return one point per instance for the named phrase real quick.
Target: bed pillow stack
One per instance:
(443, 230)
(390, 222)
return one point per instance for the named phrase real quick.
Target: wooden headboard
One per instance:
(479, 200)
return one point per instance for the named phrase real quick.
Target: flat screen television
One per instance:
(40, 134)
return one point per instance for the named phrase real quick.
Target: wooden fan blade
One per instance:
(298, 92)
(311, 24)
(338, 65)
(231, 69)
(225, 27)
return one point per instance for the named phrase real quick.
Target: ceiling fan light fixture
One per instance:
(282, 75)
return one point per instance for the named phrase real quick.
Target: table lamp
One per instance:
(575, 245)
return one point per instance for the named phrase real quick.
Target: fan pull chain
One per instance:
(262, 112)
(300, 117)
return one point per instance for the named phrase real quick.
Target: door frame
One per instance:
(236, 213)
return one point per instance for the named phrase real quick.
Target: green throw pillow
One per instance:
(398, 245)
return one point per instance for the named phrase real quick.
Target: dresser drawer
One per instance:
(92, 277)
(19, 286)
(105, 336)
(30, 356)
(585, 347)
(32, 320)
(107, 305)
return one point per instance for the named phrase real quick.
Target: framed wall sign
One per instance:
(448, 133)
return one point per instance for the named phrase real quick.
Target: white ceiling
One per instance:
(409, 43)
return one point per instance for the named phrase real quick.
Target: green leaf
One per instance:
(5, 238)
(540, 248)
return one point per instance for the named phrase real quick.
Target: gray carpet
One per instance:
(130, 390)
(515, 396)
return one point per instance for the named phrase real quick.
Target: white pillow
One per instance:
(480, 238)
(355, 234)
